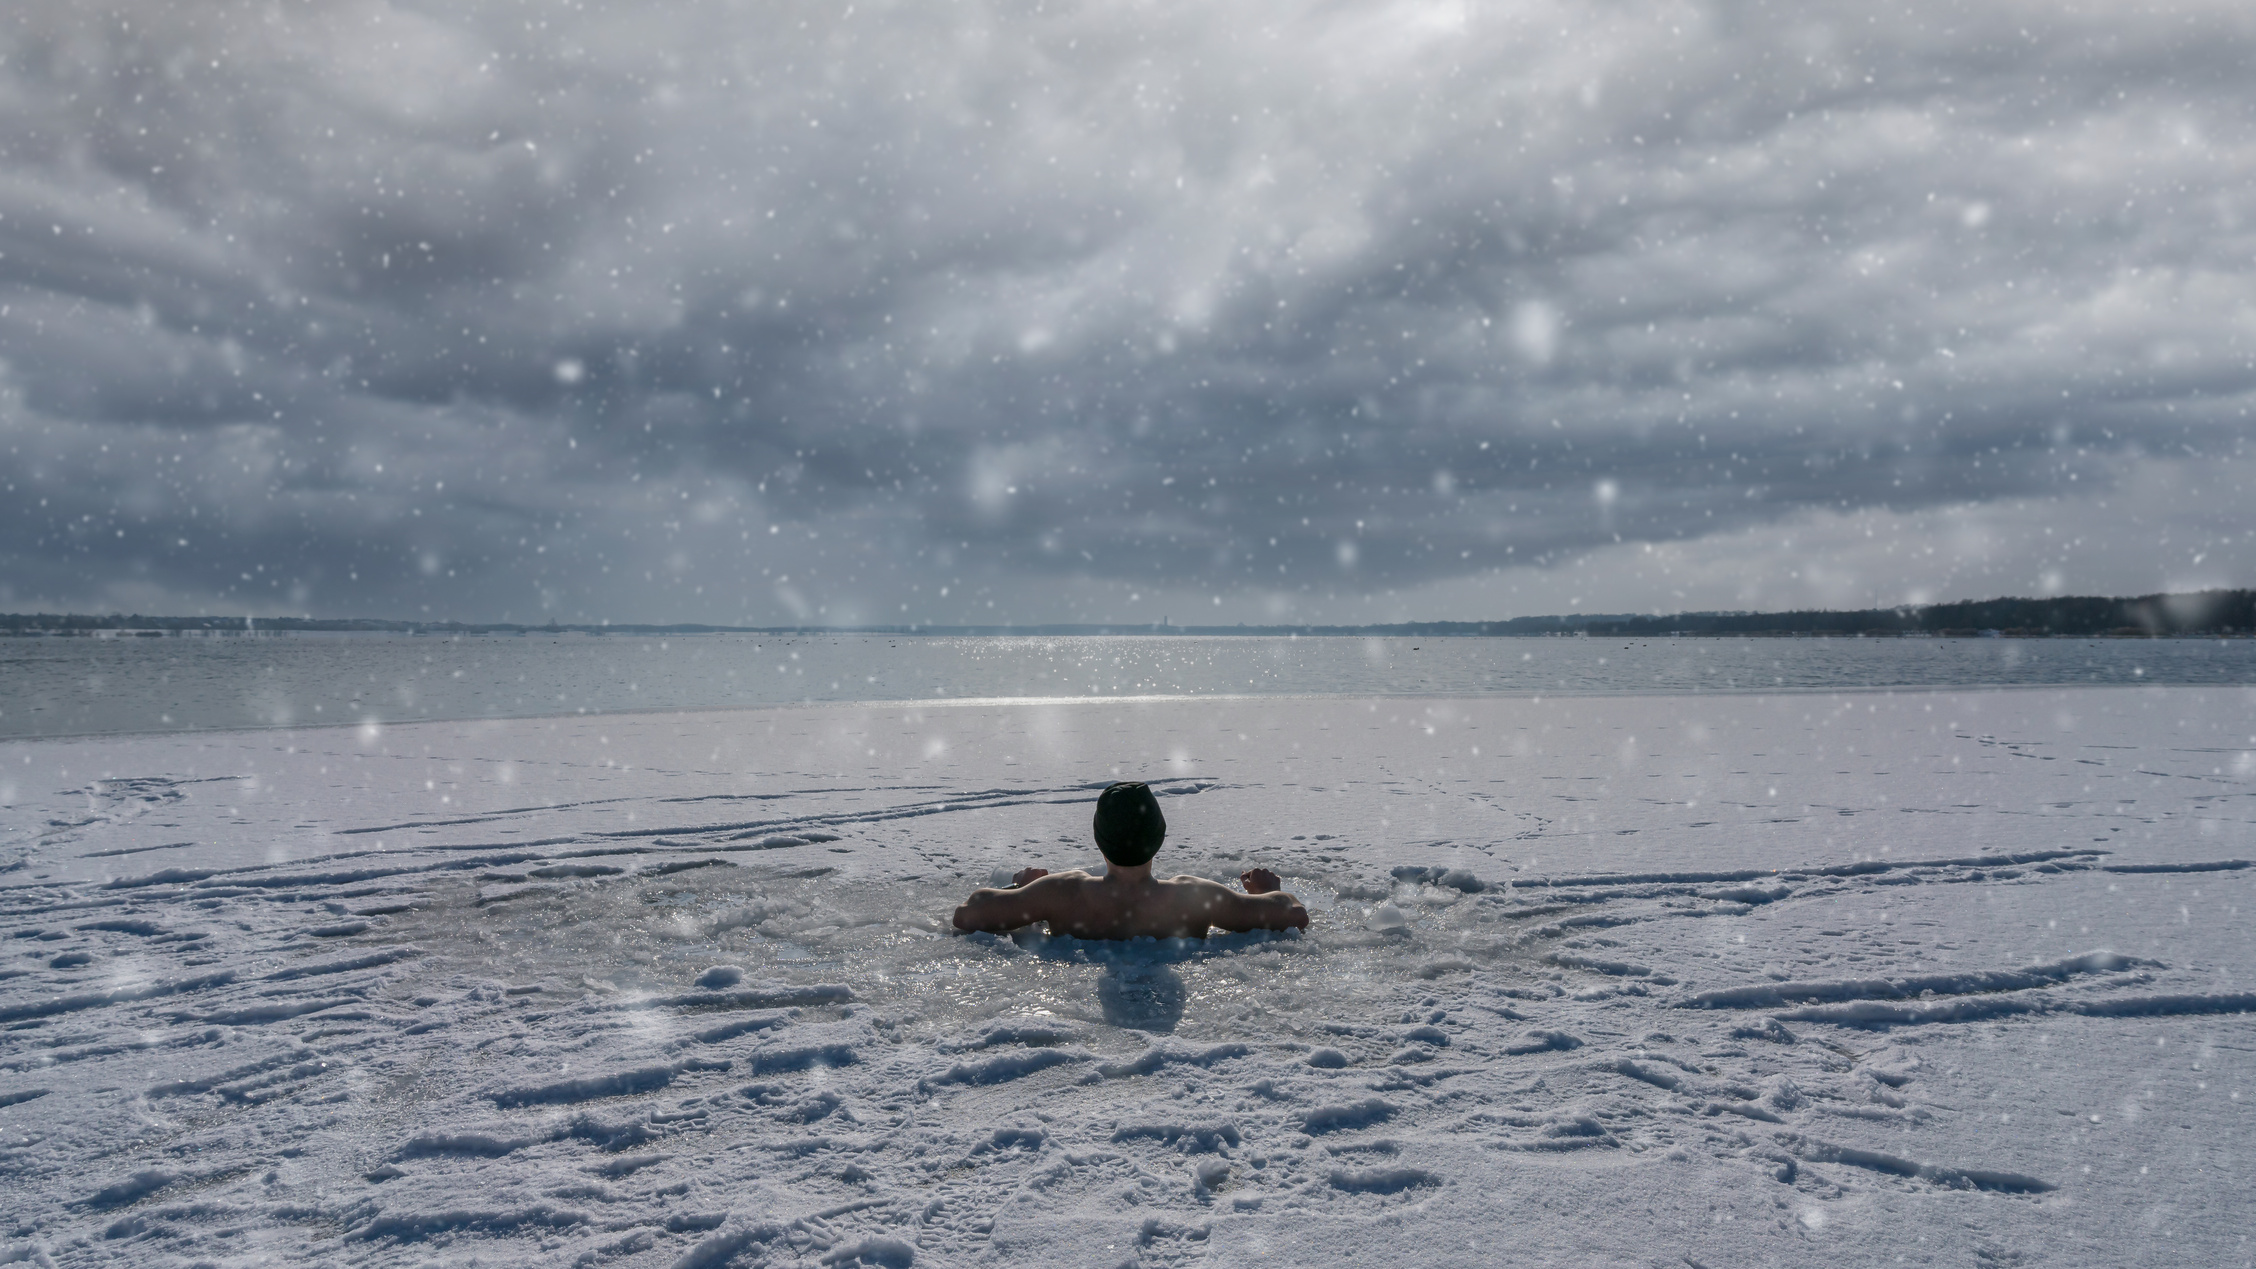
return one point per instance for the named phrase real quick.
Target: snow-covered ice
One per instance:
(1942, 977)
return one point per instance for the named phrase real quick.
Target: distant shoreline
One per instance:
(2198, 614)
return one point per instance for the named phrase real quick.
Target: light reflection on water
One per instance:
(57, 687)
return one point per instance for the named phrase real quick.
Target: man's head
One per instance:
(1129, 825)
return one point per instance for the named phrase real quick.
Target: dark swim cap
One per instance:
(1129, 825)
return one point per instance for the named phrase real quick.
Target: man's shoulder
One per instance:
(1070, 878)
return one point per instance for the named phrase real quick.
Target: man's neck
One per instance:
(1127, 874)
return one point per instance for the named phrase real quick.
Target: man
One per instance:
(1128, 902)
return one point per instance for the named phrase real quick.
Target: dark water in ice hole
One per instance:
(618, 939)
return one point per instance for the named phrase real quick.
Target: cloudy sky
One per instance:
(951, 311)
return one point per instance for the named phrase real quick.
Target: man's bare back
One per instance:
(1128, 902)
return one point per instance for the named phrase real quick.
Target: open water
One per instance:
(84, 686)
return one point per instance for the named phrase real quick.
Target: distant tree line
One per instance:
(2208, 612)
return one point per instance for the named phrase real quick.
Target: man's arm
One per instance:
(1262, 907)
(1028, 899)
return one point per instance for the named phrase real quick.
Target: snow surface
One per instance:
(1951, 977)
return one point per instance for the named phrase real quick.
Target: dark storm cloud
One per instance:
(726, 312)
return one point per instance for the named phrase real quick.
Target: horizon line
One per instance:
(2180, 609)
